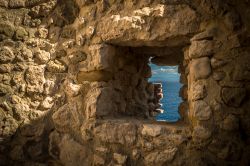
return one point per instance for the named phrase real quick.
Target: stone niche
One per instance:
(124, 73)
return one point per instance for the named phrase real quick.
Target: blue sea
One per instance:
(170, 79)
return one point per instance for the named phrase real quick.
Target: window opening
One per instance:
(169, 78)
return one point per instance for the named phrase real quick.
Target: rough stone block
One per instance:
(122, 133)
(198, 91)
(35, 78)
(201, 110)
(201, 48)
(151, 130)
(6, 54)
(233, 96)
(100, 57)
(200, 68)
(160, 157)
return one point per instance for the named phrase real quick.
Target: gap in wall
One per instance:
(169, 77)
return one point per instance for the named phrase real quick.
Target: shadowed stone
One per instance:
(233, 96)
(201, 110)
(200, 68)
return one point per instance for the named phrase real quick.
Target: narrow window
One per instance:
(169, 77)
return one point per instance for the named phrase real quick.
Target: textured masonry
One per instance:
(74, 85)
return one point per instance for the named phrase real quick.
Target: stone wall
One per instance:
(74, 84)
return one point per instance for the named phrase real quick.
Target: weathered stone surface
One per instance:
(41, 56)
(24, 54)
(35, 79)
(21, 33)
(167, 17)
(47, 103)
(200, 68)
(6, 54)
(77, 57)
(72, 89)
(101, 57)
(158, 158)
(17, 3)
(98, 160)
(200, 133)
(119, 158)
(201, 48)
(56, 66)
(122, 133)
(94, 76)
(42, 32)
(151, 130)
(230, 123)
(233, 96)
(66, 118)
(198, 90)
(72, 153)
(216, 63)
(8, 125)
(32, 131)
(7, 30)
(201, 110)
(218, 76)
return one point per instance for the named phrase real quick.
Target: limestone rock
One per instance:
(6, 68)
(72, 153)
(8, 125)
(4, 3)
(6, 54)
(77, 57)
(208, 34)
(219, 75)
(7, 30)
(35, 79)
(151, 130)
(216, 63)
(32, 131)
(17, 3)
(98, 160)
(21, 110)
(116, 27)
(233, 96)
(201, 110)
(24, 54)
(201, 48)
(120, 159)
(101, 57)
(41, 56)
(66, 118)
(91, 102)
(47, 103)
(72, 89)
(200, 68)
(21, 33)
(200, 133)
(230, 123)
(122, 133)
(198, 91)
(94, 76)
(160, 157)
(42, 32)
(56, 67)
